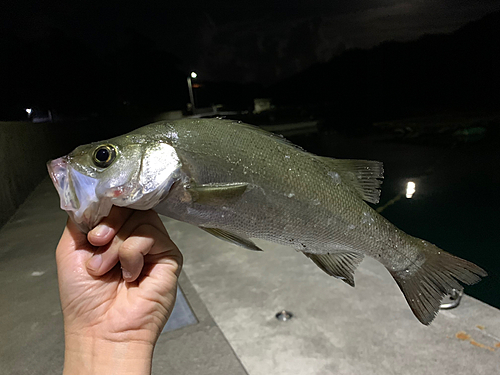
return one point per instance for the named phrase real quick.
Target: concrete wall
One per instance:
(24, 149)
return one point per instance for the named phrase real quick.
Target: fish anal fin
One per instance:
(424, 286)
(233, 238)
(215, 193)
(339, 265)
(364, 176)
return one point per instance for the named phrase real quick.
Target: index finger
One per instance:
(109, 226)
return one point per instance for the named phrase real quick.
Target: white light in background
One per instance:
(410, 189)
(28, 111)
(194, 75)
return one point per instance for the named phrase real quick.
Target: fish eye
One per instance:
(104, 155)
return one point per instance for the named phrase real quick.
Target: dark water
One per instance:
(455, 205)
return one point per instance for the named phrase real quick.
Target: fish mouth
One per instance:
(58, 171)
(77, 193)
(57, 168)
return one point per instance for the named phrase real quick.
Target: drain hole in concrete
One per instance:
(284, 315)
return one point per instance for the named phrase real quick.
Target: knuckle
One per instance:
(150, 214)
(178, 256)
(176, 263)
(178, 259)
(128, 248)
(116, 218)
(145, 215)
(145, 230)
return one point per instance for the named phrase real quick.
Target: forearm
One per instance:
(84, 355)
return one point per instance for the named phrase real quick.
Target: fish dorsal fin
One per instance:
(277, 137)
(339, 265)
(362, 175)
(215, 193)
(233, 238)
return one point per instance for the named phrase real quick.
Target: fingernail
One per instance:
(95, 262)
(101, 230)
(126, 274)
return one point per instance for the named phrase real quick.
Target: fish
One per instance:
(238, 182)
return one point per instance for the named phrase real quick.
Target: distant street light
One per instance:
(410, 189)
(190, 88)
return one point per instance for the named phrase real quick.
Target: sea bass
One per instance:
(238, 182)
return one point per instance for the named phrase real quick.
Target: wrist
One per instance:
(89, 355)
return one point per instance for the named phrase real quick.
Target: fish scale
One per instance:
(302, 173)
(238, 182)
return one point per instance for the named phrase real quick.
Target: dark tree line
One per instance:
(62, 73)
(436, 73)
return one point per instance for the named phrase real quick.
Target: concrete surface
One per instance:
(31, 327)
(182, 315)
(335, 329)
(25, 147)
(235, 294)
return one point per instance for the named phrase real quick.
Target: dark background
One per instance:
(415, 84)
(380, 59)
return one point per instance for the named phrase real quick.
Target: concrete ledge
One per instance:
(197, 349)
(31, 326)
(336, 329)
(235, 294)
(25, 147)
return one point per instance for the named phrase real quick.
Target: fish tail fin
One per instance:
(436, 277)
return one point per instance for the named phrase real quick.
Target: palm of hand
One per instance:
(107, 306)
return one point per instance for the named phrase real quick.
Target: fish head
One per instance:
(127, 171)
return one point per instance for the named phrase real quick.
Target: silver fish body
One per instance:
(293, 197)
(238, 182)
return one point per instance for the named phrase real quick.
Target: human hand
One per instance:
(111, 311)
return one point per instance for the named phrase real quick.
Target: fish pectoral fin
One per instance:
(233, 238)
(364, 176)
(338, 265)
(215, 193)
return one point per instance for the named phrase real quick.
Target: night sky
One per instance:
(258, 41)
(427, 69)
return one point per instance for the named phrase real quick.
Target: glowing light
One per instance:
(28, 111)
(194, 75)
(410, 189)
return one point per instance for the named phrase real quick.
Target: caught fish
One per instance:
(238, 182)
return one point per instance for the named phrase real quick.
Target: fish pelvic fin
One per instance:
(363, 176)
(438, 276)
(339, 265)
(233, 238)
